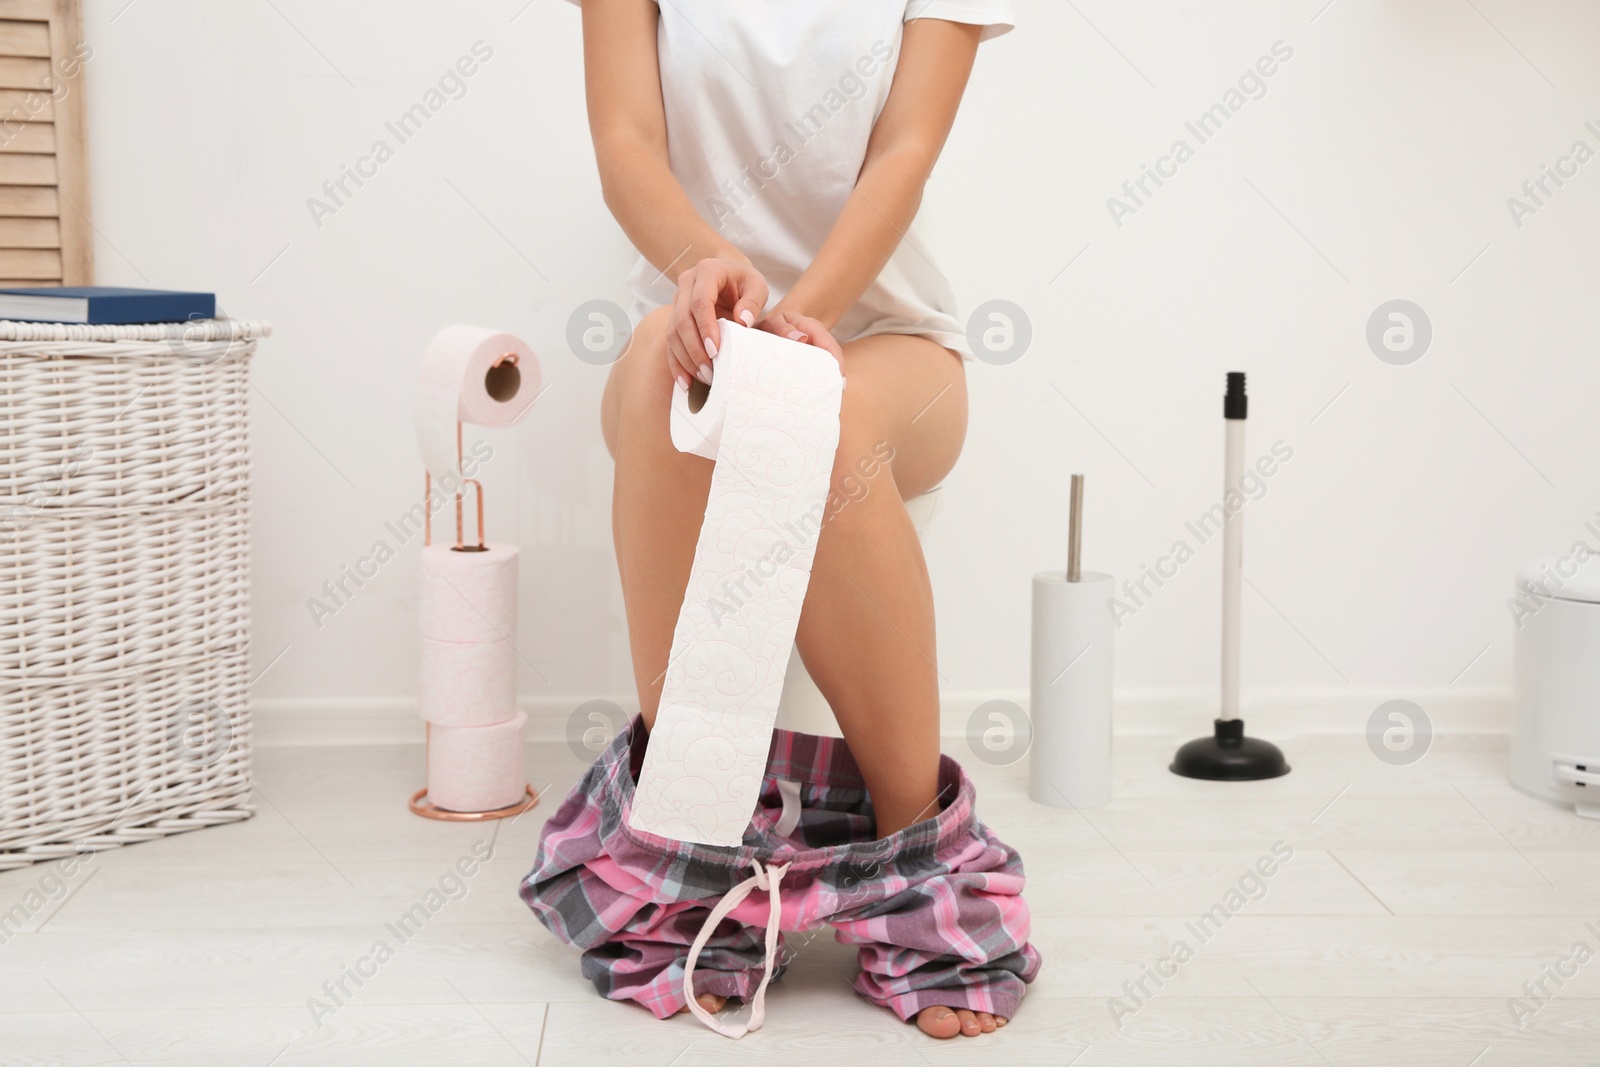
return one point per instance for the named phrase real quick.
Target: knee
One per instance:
(640, 383)
(863, 462)
(642, 371)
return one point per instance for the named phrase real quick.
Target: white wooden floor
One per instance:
(1417, 903)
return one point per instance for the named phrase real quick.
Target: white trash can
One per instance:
(1555, 717)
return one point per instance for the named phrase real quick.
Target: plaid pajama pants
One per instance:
(935, 909)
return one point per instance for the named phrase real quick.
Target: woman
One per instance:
(767, 160)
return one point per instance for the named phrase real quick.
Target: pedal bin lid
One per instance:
(1571, 575)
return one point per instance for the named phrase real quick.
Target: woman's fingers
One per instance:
(817, 334)
(806, 330)
(676, 362)
(778, 322)
(708, 290)
(708, 285)
(675, 357)
(691, 346)
(750, 297)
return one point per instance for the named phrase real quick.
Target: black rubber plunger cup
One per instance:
(1228, 755)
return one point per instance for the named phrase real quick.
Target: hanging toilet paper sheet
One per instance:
(475, 375)
(770, 421)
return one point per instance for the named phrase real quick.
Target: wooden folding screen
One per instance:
(45, 235)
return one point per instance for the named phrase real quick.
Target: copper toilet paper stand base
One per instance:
(427, 810)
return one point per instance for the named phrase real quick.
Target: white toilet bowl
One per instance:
(802, 706)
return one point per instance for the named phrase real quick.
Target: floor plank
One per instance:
(1420, 907)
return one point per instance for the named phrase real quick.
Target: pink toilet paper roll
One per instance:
(474, 375)
(468, 597)
(477, 768)
(466, 684)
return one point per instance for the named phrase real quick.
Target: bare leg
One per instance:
(657, 504)
(867, 633)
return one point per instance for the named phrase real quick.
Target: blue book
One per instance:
(104, 305)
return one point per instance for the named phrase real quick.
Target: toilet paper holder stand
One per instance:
(427, 512)
(419, 804)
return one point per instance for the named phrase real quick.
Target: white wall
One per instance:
(1377, 166)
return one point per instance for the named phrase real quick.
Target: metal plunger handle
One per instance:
(1075, 531)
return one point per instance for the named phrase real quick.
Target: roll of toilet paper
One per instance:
(470, 374)
(468, 597)
(770, 420)
(476, 768)
(466, 684)
(1069, 761)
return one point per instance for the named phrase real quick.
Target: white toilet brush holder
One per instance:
(1069, 760)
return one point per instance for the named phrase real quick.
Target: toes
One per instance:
(938, 1022)
(945, 1022)
(709, 1001)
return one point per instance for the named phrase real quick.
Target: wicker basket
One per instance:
(124, 583)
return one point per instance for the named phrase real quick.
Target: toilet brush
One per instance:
(1228, 755)
(1069, 760)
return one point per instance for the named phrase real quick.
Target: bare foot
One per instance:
(709, 1001)
(948, 1022)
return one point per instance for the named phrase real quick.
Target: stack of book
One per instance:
(97, 305)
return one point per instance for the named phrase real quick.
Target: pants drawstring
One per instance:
(766, 878)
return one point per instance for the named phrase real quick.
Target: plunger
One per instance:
(1228, 755)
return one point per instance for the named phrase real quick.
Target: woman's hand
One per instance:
(722, 287)
(802, 328)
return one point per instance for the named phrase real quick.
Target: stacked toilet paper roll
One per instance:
(466, 677)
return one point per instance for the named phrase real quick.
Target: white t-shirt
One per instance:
(769, 105)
